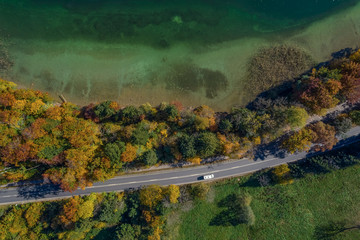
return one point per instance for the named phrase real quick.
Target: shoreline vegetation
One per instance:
(74, 146)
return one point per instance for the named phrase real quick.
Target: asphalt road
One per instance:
(178, 176)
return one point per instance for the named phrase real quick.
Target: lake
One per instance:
(196, 52)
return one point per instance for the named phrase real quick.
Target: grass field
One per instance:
(306, 209)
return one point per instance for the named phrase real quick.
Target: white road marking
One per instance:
(185, 176)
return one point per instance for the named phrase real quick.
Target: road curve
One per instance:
(178, 176)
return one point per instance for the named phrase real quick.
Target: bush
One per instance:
(282, 174)
(207, 144)
(355, 117)
(247, 216)
(199, 191)
(342, 125)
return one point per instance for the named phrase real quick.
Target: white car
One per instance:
(208, 176)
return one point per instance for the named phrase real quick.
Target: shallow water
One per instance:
(196, 52)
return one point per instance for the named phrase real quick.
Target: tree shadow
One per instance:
(331, 229)
(271, 149)
(37, 191)
(232, 215)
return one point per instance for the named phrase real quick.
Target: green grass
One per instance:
(293, 211)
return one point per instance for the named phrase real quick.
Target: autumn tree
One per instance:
(33, 213)
(173, 193)
(299, 141)
(324, 136)
(351, 81)
(129, 154)
(318, 95)
(150, 196)
(282, 175)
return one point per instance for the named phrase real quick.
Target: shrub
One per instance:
(200, 190)
(247, 215)
(342, 124)
(355, 117)
(282, 174)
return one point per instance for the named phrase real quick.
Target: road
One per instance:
(178, 176)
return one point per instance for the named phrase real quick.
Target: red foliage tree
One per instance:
(324, 137)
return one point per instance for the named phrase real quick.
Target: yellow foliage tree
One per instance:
(129, 154)
(86, 208)
(33, 214)
(194, 160)
(282, 174)
(299, 141)
(173, 191)
(151, 195)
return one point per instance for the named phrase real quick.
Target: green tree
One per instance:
(104, 110)
(186, 146)
(112, 209)
(140, 135)
(225, 126)
(113, 151)
(296, 117)
(207, 144)
(127, 232)
(130, 114)
(150, 158)
(342, 124)
(355, 117)
(245, 122)
(168, 112)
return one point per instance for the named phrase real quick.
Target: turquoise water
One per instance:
(150, 51)
(158, 23)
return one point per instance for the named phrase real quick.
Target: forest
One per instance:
(74, 146)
